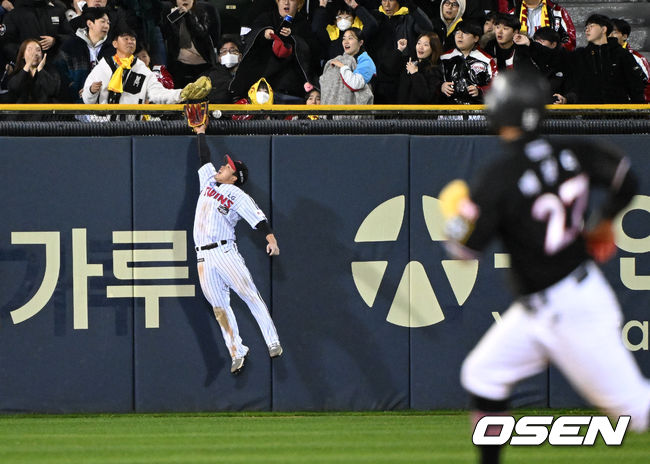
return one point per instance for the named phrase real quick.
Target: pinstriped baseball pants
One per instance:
(221, 269)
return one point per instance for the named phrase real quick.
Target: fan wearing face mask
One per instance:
(229, 55)
(332, 19)
(260, 93)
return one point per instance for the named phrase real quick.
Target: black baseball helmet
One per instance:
(517, 98)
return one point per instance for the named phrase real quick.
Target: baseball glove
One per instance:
(451, 197)
(600, 241)
(197, 91)
(458, 210)
(196, 113)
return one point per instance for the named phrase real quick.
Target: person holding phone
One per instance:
(280, 48)
(190, 51)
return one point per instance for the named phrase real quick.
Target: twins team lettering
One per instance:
(226, 203)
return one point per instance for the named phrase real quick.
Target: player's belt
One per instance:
(534, 301)
(211, 246)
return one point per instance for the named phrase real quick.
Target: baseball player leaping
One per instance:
(535, 199)
(221, 204)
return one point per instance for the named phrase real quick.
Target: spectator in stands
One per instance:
(280, 52)
(621, 31)
(467, 70)
(604, 72)
(260, 93)
(128, 14)
(224, 71)
(160, 70)
(503, 47)
(553, 62)
(399, 28)
(81, 53)
(421, 79)
(125, 79)
(116, 16)
(346, 78)
(329, 29)
(488, 29)
(36, 19)
(5, 67)
(313, 98)
(190, 51)
(31, 82)
(451, 14)
(534, 14)
(475, 10)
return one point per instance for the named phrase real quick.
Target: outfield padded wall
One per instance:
(371, 312)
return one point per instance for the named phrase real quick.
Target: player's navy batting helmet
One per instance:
(517, 98)
(241, 171)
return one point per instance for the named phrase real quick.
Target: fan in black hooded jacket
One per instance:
(287, 63)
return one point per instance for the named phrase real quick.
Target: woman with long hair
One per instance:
(30, 81)
(421, 79)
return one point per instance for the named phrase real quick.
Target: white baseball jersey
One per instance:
(220, 207)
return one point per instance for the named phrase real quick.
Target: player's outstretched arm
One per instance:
(204, 150)
(272, 246)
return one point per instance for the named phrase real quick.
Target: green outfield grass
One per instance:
(305, 438)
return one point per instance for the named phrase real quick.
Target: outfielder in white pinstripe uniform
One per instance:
(221, 204)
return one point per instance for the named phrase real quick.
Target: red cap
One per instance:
(230, 162)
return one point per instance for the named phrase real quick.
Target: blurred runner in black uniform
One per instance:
(535, 199)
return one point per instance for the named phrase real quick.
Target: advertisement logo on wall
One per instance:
(415, 303)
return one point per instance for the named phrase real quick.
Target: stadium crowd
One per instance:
(315, 51)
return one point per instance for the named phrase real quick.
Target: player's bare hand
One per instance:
(95, 87)
(447, 88)
(473, 90)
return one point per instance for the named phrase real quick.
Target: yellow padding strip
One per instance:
(406, 108)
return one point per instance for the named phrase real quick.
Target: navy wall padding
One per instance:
(46, 365)
(340, 354)
(319, 192)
